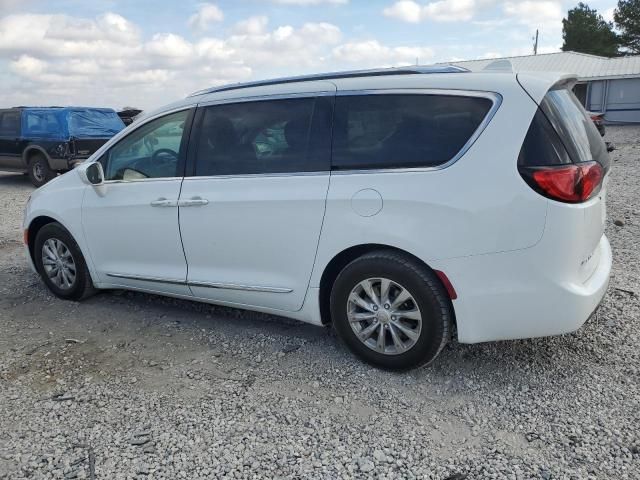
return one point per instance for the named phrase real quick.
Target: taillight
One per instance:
(573, 183)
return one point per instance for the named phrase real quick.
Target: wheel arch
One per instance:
(34, 227)
(32, 150)
(342, 259)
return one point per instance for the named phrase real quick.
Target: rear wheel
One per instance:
(391, 311)
(60, 263)
(39, 170)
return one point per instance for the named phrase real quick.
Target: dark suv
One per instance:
(43, 141)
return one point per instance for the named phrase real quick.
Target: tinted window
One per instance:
(273, 136)
(43, 123)
(387, 131)
(9, 124)
(151, 151)
(561, 132)
(577, 131)
(542, 145)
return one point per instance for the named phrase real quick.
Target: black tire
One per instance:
(39, 170)
(82, 286)
(423, 285)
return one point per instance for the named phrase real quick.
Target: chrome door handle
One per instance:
(193, 202)
(163, 202)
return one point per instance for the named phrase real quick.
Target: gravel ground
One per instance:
(130, 385)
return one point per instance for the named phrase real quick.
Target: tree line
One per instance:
(586, 31)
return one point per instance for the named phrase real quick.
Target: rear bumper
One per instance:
(515, 295)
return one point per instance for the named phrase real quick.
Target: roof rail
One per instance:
(335, 75)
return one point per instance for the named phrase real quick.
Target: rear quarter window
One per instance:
(561, 132)
(398, 130)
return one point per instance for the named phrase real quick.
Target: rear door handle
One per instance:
(164, 202)
(193, 202)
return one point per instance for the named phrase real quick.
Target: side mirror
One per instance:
(92, 174)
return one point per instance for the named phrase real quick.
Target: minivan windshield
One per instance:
(576, 130)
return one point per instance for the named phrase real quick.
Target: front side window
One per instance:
(398, 130)
(9, 124)
(151, 151)
(270, 136)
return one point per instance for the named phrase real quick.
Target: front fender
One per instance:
(61, 200)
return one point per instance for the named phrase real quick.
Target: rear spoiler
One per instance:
(537, 84)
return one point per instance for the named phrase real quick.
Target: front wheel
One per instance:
(60, 263)
(39, 171)
(391, 311)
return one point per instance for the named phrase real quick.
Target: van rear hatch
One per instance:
(564, 158)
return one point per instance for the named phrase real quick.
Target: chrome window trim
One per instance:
(138, 180)
(267, 97)
(495, 97)
(261, 175)
(195, 283)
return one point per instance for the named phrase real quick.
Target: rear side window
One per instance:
(44, 124)
(270, 136)
(398, 130)
(561, 133)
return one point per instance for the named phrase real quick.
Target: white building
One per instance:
(608, 85)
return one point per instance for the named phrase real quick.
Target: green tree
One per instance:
(627, 18)
(584, 30)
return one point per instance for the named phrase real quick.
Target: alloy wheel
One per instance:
(384, 316)
(58, 263)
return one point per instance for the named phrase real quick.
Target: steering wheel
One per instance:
(161, 151)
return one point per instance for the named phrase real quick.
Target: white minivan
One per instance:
(400, 206)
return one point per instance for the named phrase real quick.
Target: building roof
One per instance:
(586, 67)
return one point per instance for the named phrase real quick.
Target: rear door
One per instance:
(10, 154)
(252, 209)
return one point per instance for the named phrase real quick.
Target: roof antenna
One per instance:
(535, 45)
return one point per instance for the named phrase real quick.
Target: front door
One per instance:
(10, 154)
(131, 221)
(252, 209)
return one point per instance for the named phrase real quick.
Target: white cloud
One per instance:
(372, 53)
(438, 11)
(252, 25)
(405, 10)
(107, 61)
(540, 13)
(310, 2)
(27, 66)
(450, 10)
(207, 14)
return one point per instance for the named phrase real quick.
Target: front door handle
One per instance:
(163, 202)
(193, 202)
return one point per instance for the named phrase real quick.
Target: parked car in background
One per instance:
(393, 204)
(43, 141)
